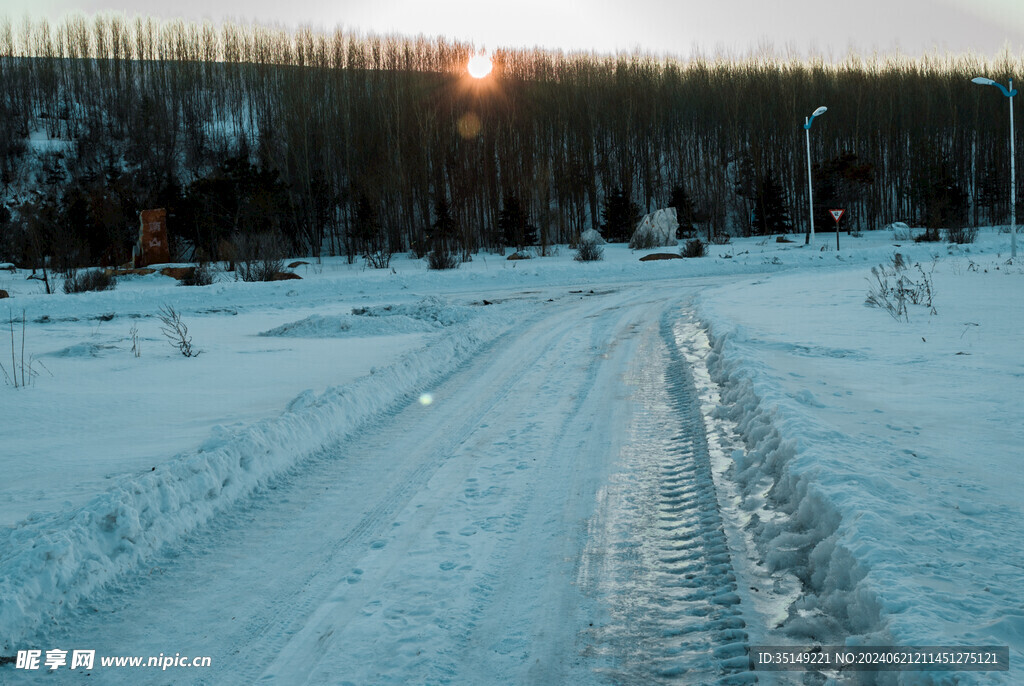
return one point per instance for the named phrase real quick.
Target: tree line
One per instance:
(357, 144)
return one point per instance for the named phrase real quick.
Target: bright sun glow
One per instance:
(479, 66)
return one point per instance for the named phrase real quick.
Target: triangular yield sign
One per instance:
(836, 214)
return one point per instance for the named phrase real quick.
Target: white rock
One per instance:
(656, 229)
(592, 236)
(900, 231)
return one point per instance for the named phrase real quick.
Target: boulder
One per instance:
(297, 263)
(4, 294)
(656, 230)
(518, 256)
(7, 266)
(661, 256)
(592, 236)
(284, 276)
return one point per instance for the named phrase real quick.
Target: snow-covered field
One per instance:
(494, 475)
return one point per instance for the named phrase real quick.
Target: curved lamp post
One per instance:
(810, 191)
(1009, 93)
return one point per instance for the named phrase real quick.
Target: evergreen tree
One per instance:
(443, 233)
(444, 229)
(237, 199)
(684, 211)
(945, 203)
(770, 213)
(840, 183)
(621, 216)
(365, 225)
(512, 223)
(513, 227)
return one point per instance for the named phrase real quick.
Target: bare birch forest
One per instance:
(344, 143)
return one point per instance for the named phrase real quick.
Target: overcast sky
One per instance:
(826, 27)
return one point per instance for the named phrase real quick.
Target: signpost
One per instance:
(837, 215)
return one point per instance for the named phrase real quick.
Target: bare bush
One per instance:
(22, 373)
(133, 334)
(962, 235)
(693, 248)
(176, 332)
(589, 251)
(201, 275)
(89, 280)
(260, 256)
(440, 259)
(893, 289)
(380, 257)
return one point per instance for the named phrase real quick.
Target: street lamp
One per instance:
(1009, 93)
(810, 191)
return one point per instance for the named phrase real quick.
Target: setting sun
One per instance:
(479, 66)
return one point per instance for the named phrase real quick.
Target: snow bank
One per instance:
(794, 523)
(50, 562)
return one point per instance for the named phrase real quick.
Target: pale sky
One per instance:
(825, 27)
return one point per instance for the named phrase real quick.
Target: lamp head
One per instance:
(982, 81)
(820, 111)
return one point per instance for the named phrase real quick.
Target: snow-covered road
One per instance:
(549, 517)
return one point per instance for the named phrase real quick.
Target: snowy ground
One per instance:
(895, 444)
(537, 471)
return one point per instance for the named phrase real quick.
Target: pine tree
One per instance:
(442, 236)
(770, 213)
(621, 216)
(684, 211)
(512, 223)
(443, 228)
(840, 183)
(946, 203)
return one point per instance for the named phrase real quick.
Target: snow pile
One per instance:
(656, 230)
(593, 237)
(49, 562)
(796, 525)
(431, 309)
(428, 315)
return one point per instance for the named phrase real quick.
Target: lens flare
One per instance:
(469, 125)
(426, 399)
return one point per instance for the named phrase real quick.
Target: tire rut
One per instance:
(674, 612)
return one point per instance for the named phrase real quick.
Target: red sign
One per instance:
(836, 214)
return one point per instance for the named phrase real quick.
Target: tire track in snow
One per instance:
(658, 549)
